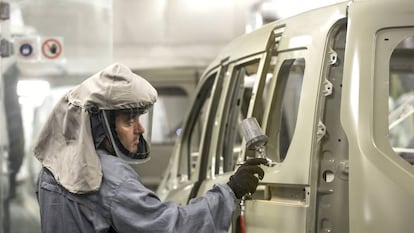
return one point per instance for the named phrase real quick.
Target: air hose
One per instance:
(242, 211)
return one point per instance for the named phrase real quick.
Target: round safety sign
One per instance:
(51, 48)
(26, 50)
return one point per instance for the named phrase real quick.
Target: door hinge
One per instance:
(327, 88)
(333, 57)
(321, 131)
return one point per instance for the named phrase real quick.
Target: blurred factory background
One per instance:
(47, 46)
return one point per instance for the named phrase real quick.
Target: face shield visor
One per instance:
(129, 132)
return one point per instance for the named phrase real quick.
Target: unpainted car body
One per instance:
(331, 88)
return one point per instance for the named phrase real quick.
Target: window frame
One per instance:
(229, 96)
(386, 41)
(209, 84)
(274, 95)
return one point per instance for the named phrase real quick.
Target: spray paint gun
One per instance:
(255, 138)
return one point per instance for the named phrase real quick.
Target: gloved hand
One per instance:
(244, 180)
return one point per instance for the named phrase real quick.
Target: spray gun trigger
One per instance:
(270, 163)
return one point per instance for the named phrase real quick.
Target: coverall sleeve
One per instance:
(137, 209)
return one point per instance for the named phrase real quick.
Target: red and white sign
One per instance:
(52, 48)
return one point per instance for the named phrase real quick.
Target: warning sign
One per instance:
(52, 48)
(27, 48)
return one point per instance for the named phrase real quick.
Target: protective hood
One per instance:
(65, 145)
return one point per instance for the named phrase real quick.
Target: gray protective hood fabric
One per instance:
(65, 145)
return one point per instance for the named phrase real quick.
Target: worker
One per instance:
(87, 184)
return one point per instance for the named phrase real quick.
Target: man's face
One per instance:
(128, 128)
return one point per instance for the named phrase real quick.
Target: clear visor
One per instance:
(131, 140)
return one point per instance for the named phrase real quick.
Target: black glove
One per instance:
(244, 180)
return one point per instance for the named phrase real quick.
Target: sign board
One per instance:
(51, 48)
(27, 48)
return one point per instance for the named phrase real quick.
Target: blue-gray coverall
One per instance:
(124, 205)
